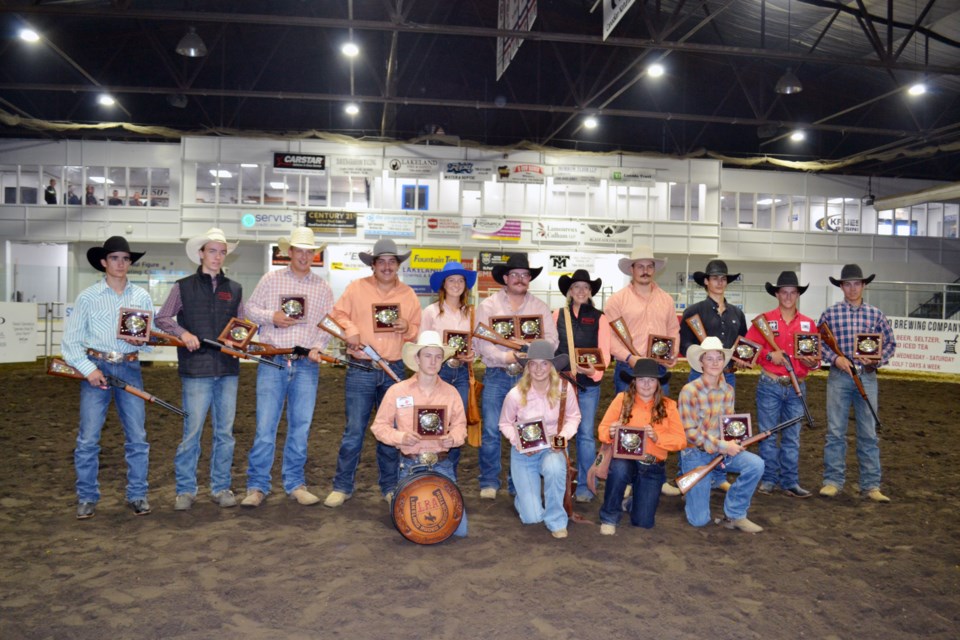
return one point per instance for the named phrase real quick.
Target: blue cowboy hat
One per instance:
(452, 269)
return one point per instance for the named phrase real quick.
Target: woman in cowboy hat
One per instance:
(537, 399)
(453, 312)
(644, 407)
(580, 325)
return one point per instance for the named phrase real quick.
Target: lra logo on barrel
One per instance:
(427, 508)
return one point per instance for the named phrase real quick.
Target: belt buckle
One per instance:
(428, 458)
(113, 357)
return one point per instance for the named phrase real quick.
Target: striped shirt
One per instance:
(701, 408)
(265, 301)
(94, 322)
(846, 320)
(644, 315)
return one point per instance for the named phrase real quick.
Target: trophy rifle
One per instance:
(760, 322)
(484, 332)
(160, 339)
(60, 368)
(333, 327)
(831, 340)
(264, 349)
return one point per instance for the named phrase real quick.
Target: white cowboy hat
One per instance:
(712, 343)
(641, 252)
(301, 238)
(194, 245)
(426, 339)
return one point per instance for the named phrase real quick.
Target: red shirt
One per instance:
(783, 333)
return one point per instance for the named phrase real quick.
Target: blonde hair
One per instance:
(553, 393)
(464, 296)
(659, 412)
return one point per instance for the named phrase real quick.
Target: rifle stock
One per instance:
(331, 326)
(60, 368)
(237, 353)
(264, 349)
(828, 337)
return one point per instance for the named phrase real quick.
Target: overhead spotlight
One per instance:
(29, 35)
(655, 70)
(106, 100)
(351, 109)
(917, 89)
(869, 199)
(191, 45)
(788, 84)
(590, 123)
(350, 50)
(798, 136)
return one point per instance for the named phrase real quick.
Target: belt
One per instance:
(649, 458)
(114, 357)
(783, 381)
(427, 457)
(290, 357)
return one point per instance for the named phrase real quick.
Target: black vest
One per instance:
(586, 332)
(205, 313)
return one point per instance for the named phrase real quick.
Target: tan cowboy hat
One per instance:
(640, 252)
(696, 351)
(426, 339)
(301, 238)
(194, 245)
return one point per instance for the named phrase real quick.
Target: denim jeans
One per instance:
(496, 384)
(718, 476)
(296, 384)
(586, 438)
(526, 472)
(460, 380)
(94, 403)
(364, 391)
(620, 385)
(841, 393)
(777, 403)
(218, 395)
(737, 501)
(445, 468)
(646, 480)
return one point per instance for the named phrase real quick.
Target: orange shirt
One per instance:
(354, 312)
(645, 315)
(396, 415)
(670, 435)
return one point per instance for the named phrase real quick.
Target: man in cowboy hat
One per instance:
(198, 307)
(296, 383)
(361, 312)
(503, 367)
(776, 399)
(91, 346)
(702, 403)
(846, 319)
(395, 422)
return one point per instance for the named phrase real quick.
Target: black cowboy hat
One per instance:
(112, 245)
(786, 279)
(852, 272)
(714, 268)
(580, 275)
(645, 368)
(516, 261)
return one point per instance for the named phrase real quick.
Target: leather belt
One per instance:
(290, 357)
(114, 357)
(649, 458)
(783, 381)
(427, 457)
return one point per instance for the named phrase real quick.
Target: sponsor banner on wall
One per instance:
(303, 163)
(557, 231)
(488, 260)
(18, 332)
(443, 228)
(513, 15)
(501, 229)
(332, 221)
(280, 221)
(613, 10)
(433, 259)
(380, 226)
(578, 176)
(926, 345)
(629, 177)
(521, 173)
(413, 167)
(833, 223)
(280, 259)
(366, 167)
(566, 263)
(606, 234)
(346, 258)
(469, 170)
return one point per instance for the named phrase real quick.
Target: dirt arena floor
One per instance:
(842, 568)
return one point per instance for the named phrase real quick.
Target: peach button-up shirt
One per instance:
(396, 415)
(645, 315)
(354, 312)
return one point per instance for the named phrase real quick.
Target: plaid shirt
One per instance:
(846, 321)
(700, 410)
(266, 300)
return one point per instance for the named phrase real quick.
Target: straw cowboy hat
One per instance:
(712, 343)
(516, 261)
(194, 245)
(645, 368)
(543, 350)
(786, 279)
(383, 247)
(301, 238)
(714, 268)
(452, 268)
(580, 275)
(640, 252)
(112, 245)
(426, 339)
(852, 272)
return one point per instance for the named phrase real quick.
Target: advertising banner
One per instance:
(332, 222)
(443, 228)
(413, 167)
(606, 234)
(924, 344)
(18, 332)
(578, 176)
(613, 10)
(469, 170)
(496, 230)
(380, 226)
(557, 231)
(366, 167)
(302, 163)
(629, 177)
(521, 173)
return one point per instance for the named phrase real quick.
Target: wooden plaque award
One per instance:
(590, 357)
(529, 327)
(807, 345)
(532, 437)
(868, 346)
(431, 421)
(504, 326)
(239, 332)
(630, 443)
(294, 307)
(660, 348)
(384, 315)
(736, 427)
(134, 325)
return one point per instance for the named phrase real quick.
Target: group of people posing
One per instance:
(538, 385)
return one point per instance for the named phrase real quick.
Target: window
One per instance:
(159, 187)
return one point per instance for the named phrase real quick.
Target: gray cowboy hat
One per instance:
(714, 268)
(580, 275)
(516, 261)
(645, 368)
(111, 245)
(543, 350)
(852, 272)
(383, 247)
(786, 279)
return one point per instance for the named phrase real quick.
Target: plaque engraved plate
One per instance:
(590, 358)
(431, 421)
(660, 348)
(505, 326)
(735, 427)
(530, 327)
(384, 315)
(696, 326)
(630, 443)
(459, 340)
(532, 437)
(806, 344)
(868, 346)
(239, 332)
(134, 325)
(294, 307)
(746, 351)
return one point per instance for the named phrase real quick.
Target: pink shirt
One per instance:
(537, 408)
(266, 300)
(645, 315)
(431, 320)
(354, 312)
(493, 355)
(397, 413)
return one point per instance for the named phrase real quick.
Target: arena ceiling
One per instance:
(428, 68)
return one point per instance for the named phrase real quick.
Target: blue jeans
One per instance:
(496, 384)
(296, 384)
(646, 480)
(94, 403)
(619, 385)
(460, 380)
(364, 391)
(445, 468)
(737, 501)
(586, 438)
(526, 472)
(718, 476)
(219, 396)
(775, 404)
(841, 393)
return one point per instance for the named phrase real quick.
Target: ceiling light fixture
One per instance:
(350, 50)
(29, 35)
(798, 136)
(106, 100)
(352, 109)
(917, 89)
(191, 45)
(590, 122)
(788, 83)
(655, 70)
(220, 173)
